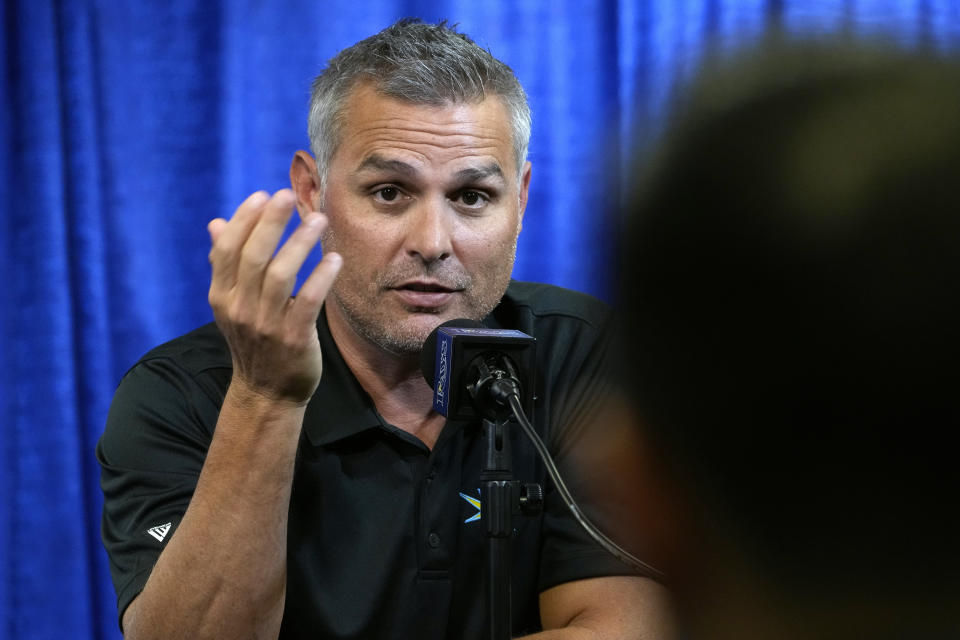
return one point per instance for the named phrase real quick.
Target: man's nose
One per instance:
(429, 232)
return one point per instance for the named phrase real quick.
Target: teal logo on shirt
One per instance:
(475, 503)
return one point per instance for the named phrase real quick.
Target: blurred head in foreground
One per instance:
(792, 347)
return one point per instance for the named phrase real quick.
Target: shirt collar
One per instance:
(340, 407)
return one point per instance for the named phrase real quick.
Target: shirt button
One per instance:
(433, 540)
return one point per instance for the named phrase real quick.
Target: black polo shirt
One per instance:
(384, 538)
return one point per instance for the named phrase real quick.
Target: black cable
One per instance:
(616, 550)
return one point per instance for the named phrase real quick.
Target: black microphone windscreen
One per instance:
(428, 355)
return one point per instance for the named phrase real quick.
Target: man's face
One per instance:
(425, 205)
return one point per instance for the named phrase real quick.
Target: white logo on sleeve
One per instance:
(160, 532)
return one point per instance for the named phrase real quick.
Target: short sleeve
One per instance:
(157, 434)
(568, 552)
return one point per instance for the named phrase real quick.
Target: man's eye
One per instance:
(387, 194)
(472, 198)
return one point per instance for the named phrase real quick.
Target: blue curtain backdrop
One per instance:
(126, 126)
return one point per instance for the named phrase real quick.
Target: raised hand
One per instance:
(272, 336)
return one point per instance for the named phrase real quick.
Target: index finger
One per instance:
(228, 237)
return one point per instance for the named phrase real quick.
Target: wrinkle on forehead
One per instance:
(415, 133)
(380, 125)
(377, 162)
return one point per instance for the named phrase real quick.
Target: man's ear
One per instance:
(524, 192)
(305, 182)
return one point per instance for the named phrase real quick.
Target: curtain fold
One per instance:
(125, 127)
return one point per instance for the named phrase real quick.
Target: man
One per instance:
(341, 505)
(793, 346)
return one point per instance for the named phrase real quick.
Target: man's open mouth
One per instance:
(426, 287)
(424, 295)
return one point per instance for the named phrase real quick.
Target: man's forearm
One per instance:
(611, 608)
(223, 573)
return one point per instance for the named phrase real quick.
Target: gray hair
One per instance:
(421, 63)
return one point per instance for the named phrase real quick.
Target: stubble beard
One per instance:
(401, 339)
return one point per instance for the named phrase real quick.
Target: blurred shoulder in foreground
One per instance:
(789, 370)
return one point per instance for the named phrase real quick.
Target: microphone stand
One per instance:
(503, 498)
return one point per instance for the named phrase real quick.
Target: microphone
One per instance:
(473, 370)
